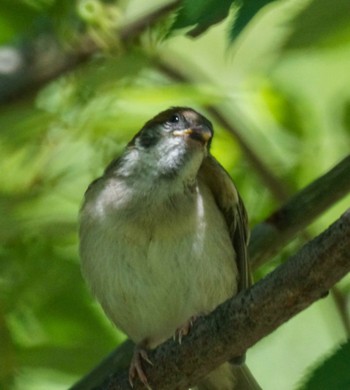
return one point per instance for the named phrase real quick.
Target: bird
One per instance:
(163, 238)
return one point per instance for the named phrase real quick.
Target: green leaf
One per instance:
(201, 14)
(15, 20)
(245, 14)
(320, 24)
(333, 373)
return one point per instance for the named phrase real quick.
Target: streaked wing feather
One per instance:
(232, 207)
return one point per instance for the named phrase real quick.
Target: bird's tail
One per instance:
(229, 377)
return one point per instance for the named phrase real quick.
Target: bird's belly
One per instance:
(166, 281)
(151, 276)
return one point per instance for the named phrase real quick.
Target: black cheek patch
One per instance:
(148, 140)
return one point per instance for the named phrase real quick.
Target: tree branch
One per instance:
(303, 208)
(299, 282)
(240, 322)
(137, 27)
(276, 186)
(34, 68)
(272, 182)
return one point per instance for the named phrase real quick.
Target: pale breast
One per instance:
(151, 278)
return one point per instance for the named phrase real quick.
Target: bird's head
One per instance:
(172, 144)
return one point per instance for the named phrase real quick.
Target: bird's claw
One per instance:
(184, 329)
(136, 370)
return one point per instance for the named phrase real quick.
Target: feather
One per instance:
(230, 203)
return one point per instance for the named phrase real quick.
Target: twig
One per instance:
(276, 186)
(272, 182)
(283, 225)
(29, 77)
(135, 28)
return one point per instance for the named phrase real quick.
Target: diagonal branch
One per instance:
(303, 208)
(266, 239)
(35, 69)
(267, 176)
(137, 27)
(240, 322)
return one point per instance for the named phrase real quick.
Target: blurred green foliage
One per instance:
(200, 15)
(338, 362)
(283, 84)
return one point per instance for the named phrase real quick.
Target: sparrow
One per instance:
(163, 238)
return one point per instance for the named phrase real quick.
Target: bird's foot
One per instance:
(135, 369)
(184, 329)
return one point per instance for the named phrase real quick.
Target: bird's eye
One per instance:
(174, 119)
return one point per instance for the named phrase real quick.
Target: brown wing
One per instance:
(232, 207)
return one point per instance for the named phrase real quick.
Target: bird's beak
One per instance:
(202, 133)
